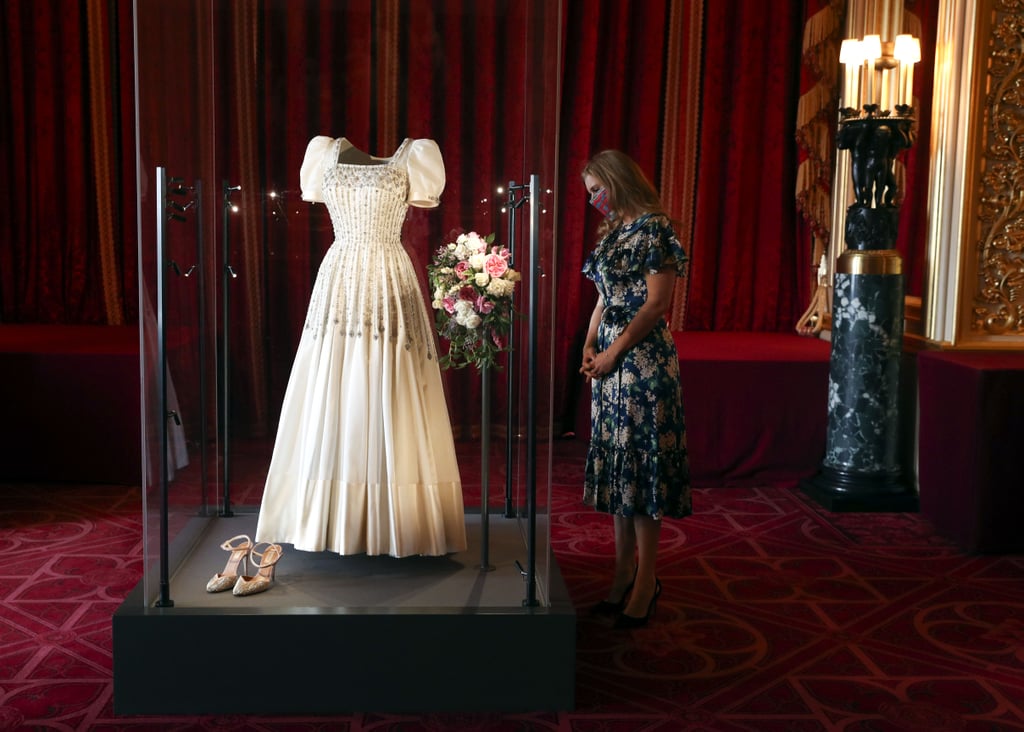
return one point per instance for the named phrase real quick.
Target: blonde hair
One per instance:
(630, 193)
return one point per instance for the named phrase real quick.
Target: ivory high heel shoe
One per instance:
(265, 560)
(239, 546)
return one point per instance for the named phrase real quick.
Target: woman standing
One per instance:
(637, 467)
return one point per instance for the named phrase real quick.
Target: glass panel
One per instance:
(174, 105)
(229, 96)
(541, 64)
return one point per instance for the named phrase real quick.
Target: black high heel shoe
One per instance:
(628, 622)
(607, 607)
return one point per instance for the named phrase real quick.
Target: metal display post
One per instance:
(161, 376)
(510, 429)
(201, 312)
(166, 210)
(531, 396)
(526, 193)
(485, 461)
(227, 274)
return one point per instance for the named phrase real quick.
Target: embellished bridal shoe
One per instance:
(239, 546)
(265, 561)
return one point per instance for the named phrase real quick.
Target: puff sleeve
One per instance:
(311, 174)
(426, 174)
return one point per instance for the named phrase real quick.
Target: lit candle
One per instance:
(872, 49)
(850, 58)
(907, 50)
(901, 81)
(894, 86)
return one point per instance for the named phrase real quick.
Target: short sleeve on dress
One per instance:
(590, 266)
(311, 175)
(662, 247)
(426, 174)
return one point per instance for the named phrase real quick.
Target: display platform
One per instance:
(345, 634)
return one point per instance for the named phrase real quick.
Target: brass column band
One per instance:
(870, 262)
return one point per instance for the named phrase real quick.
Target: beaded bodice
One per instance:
(367, 202)
(366, 286)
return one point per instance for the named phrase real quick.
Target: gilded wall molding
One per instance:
(998, 298)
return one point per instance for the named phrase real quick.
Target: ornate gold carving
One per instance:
(999, 301)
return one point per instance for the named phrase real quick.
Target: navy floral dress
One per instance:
(637, 462)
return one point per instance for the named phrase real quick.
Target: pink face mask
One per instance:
(600, 201)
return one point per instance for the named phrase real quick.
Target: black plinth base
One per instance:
(849, 493)
(338, 635)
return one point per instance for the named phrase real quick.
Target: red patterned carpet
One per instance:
(775, 616)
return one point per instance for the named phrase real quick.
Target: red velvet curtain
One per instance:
(614, 58)
(747, 272)
(376, 72)
(747, 267)
(67, 160)
(379, 70)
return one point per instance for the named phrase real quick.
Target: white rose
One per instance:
(474, 242)
(499, 288)
(482, 278)
(476, 261)
(473, 321)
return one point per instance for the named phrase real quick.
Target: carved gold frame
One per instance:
(974, 289)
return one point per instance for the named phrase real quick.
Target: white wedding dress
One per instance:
(364, 460)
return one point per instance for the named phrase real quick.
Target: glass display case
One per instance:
(228, 95)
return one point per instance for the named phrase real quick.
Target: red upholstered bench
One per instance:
(756, 405)
(70, 397)
(969, 455)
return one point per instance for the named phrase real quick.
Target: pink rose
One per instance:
(495, 265)
(483, 305)
(460, 270)
(449, 304)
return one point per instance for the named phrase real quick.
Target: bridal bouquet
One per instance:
(472, 285)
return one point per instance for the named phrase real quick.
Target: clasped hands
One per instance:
(597, 363)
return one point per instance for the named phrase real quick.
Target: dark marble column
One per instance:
(861, 469)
